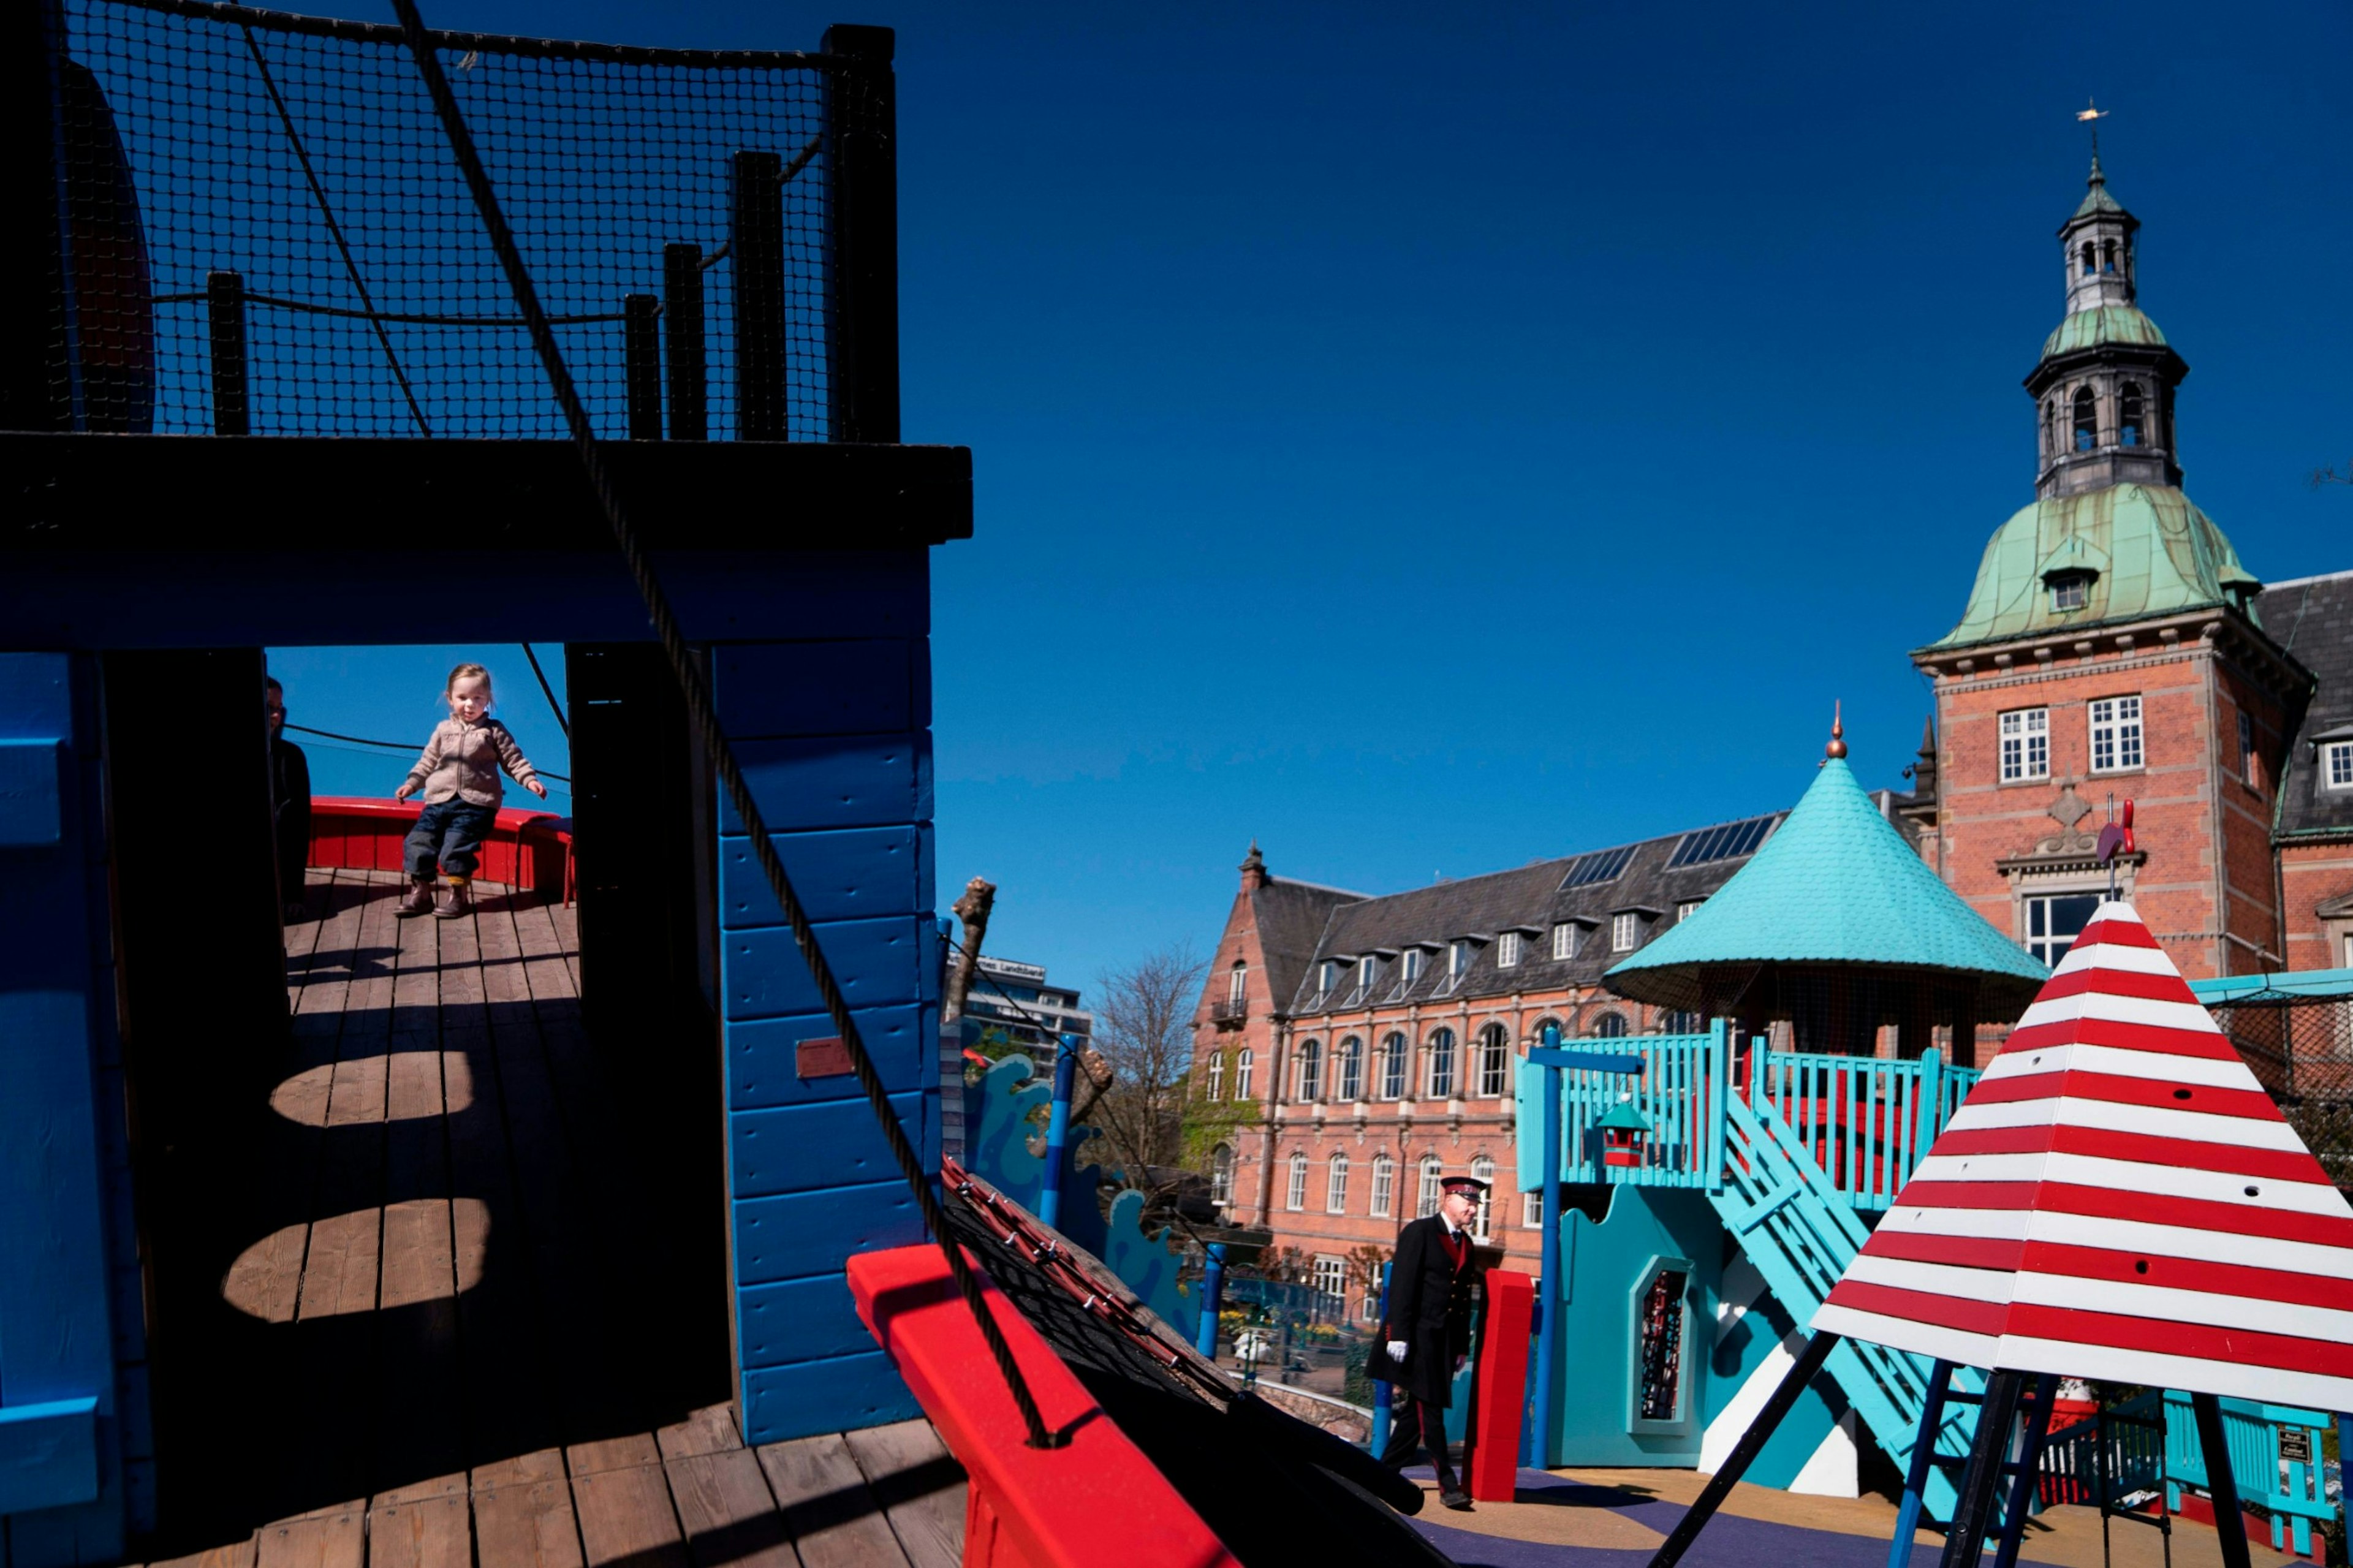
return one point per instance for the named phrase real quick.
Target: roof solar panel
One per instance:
(1724, 842)
(1598, 866)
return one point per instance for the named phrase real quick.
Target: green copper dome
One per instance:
(1836, 884)
(2101, 327)
(2149, 549)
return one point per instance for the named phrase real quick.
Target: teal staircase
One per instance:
(1800, 1233)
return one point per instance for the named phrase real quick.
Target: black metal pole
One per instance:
(641, 364)
(2024, 1479)
(756, 240)
(1982, 1474)
(225, 313)
(2222, 1486)
(1744, 1453)
(683, 339)
(862, 235)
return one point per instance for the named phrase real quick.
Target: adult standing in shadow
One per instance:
(1426, 1334)
(290, 804)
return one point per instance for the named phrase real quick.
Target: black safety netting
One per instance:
(267, 234)
(2300, 1048)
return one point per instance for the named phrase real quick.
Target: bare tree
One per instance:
(1144, 1028)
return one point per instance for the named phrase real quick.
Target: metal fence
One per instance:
(264, 231)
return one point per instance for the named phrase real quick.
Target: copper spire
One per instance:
(1837, 748)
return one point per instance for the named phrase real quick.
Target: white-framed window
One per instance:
(1335, 1186)
(1458, 959)
(1221, 1174)
(1351, 1070)
(2336, 765)
(1237, 985)
(1384, 1186)
(1396, 1057)
(1441, 1064)
(1370, 1310)
(1311, 1072)
(2070, 594)
(1295, 1196)
(1213, 1075)
(2347, 960)
(1625, 932)
(2115, 734)
(1331, 1274)
(1244, 1060)
(2246, 746)
(1426, 1193)
(1507, 950)
(1530, 1211)
(1687, 909)
(2054, 922)
(1368, 968)
(1609, 1026)
(1327, 976)
(1563, 939)
(2025, 744)
(1494, 1061)
(1484, 1169)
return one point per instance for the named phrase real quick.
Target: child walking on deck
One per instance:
(458, 773)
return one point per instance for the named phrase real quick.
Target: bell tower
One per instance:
(2104, 387)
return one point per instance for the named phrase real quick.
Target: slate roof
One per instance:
(1531, 899)
(2312, 619)
(1290, 916)
(1837, 884)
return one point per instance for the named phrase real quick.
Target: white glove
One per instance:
(1397, 1351)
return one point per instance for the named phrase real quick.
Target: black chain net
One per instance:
(267, 235)
(2300, 1050)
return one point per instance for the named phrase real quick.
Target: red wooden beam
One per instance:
(526, 849)
(1503, 1385)
(1096, 1502)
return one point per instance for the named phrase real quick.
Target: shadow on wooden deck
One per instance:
(430, 1254)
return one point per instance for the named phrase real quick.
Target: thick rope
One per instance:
(705, 717)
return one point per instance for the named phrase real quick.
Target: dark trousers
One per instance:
(1414, 1424)
(448, 834)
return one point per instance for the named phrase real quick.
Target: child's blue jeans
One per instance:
(448, 834)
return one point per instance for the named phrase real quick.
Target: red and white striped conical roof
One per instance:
(2119, 1199)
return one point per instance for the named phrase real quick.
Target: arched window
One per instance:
(2107, 256)
(1609, 1026)
(1680, 1023)
(2049, 426)
(1484, 1169)
(1295, 1196)
(1335, 1186)
(1244, 1060)
(2089, 258)
(1426, 1194)
(1536, 1035)
(1213, 1075)
(1221, 1174)
(2087, 420)
(1311, 1071)
(1441, 1064)
(2131, 409)
(1394, 1055)
(1494, 1061)
(1352, 1069)
(1384, 1186)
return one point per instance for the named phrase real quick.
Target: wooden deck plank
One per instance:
(523, 1513)
(709, 1430)
(622, 1496)
(326, 974)
(833, 1516)
(727, 1511)
(326, 1538)
(429, 1524)
(237, 1554)
(920, 1486)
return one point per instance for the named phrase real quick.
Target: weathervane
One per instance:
(2091, 114)
(2116, 839)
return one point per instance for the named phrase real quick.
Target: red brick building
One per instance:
(2113, 648)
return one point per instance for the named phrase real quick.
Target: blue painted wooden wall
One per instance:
(835, 739)
(75, 1452)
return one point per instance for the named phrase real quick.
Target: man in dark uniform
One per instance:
(1426, 1332)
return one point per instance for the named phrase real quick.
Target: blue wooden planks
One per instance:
(796, 1234)
(49, 1453)
(801, 1148)
(842, 1393)
(849, 874)
(802, 1319)
(31, 791)
(763, 1057)
(844, 687)
(876, 963)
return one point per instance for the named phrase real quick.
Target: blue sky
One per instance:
(1431, 439)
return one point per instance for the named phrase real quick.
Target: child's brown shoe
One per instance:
(457, 900)
(418, 900)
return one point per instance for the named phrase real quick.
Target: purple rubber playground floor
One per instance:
(1728, 1541)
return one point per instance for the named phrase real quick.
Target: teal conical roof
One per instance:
(1836, 884)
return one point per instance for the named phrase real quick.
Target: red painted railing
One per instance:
(1096, 1502)
(526, 851)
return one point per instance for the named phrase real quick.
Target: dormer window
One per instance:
(1507, 950)
(1327, 976)
(2071, 591)
(1410, 966)
(1563, 939)
(1625, 932)
(1458, 960)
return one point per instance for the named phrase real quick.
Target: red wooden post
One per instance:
(1503, 1385)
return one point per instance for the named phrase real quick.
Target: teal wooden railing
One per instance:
(2289, 1490)
(1867, 1123)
